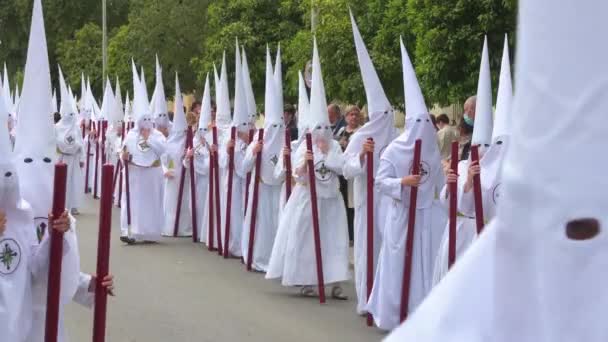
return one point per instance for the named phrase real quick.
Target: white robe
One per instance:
(70, 150)
(145, 187)
(293, 254)
(201, 172)
(385, 300)
(173, 162)
(268, 207)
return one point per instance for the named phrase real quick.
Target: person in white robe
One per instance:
(269, 186)
(159, 104)
(382, 131)
(172, 162)
(143, 149)
(201, 153)
(70, 148)
(395, 180)
(293, 254)
(537, 272)
(489, 166)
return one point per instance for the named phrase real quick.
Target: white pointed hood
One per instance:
(67, 131)
(303, 107)
(6, 89)
(240, 118)
(223, 119)
(319, 119)
(10, 195)
(482, 131)
(54, 108)
(117, 113)
(176, 142)
(205, 117)
(128, 110)
(418, 125)
(159, 100)
(251, 106)
(278, 79)
(107, 103)
(140, 106)
(380, 126)
(505, 96)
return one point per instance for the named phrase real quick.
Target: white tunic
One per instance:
(201, 168)
(70, 150)
(293, 254)
(385, 300)
(172, 162)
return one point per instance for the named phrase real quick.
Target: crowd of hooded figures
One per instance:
(256, 194)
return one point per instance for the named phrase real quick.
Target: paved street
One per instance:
(178, 291)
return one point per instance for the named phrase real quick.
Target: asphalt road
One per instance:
(178, 291)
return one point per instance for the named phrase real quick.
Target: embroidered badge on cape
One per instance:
(10, 256)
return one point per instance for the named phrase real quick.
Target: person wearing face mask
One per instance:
(396, 181)
(142, 150)
(269, 186)
(466, 128)
(492, 142)
(293, 254)
(201, 153)
(70, 148)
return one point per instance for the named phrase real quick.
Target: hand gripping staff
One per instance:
(315, 220)
(229, 195)
(103, 253)
(409, 238)
(55, 255)
(477, 191)
(254, 203)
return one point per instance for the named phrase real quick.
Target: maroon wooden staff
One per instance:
(229, 195)
(182, 180)
(409, 239)
(127, 191)
(370, 228)
(216, 178)
(56, 255)
(453, 188)
(477, 191)
(104, 128)
(88, 161)
(193, 189)
(82, 128)
(211, 193)
(119, 164)
(103, 253)
(95, 175)
(254, 202)
(248, 177)
(288, 170)
(315, 220)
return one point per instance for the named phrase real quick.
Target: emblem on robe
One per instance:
(274, 160)
(143, 146)
(424, 171)
(10, 256)
(69, 139)
(496, 193)
(322, 173)
(42, 223)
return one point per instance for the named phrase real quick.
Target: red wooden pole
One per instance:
(211, 199)
(103, 253)
(86, 176)
(315, 221)
(193, 188)
(119, 165)
(370, 229)
(115, 177)
(254, 203)
(55, 256)
(453, 189)
(409, 240)
(248, 177)
(95, 175)
(229, 195)
(216, 177)
(104, 128)
(288, 170)
(182, 179)
(479, 220)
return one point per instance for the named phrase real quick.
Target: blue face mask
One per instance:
(468, 120)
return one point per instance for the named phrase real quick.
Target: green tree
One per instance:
(449, 41)
(255, 24)
(82, 54)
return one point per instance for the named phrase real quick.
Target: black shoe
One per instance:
(127, 240)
